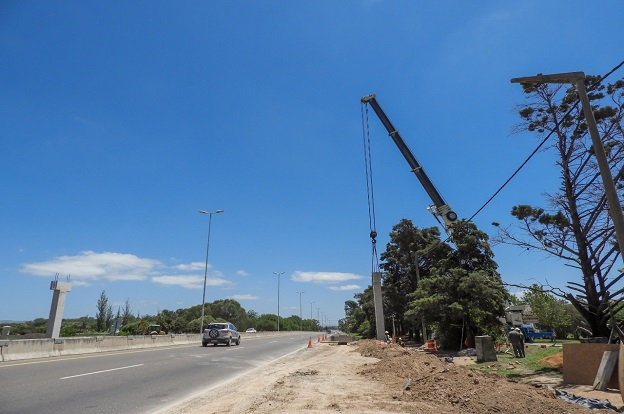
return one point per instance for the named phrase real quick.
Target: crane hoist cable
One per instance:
(370, 193)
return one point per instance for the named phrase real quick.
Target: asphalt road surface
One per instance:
(137, 381)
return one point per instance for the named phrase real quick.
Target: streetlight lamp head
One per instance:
(210, 212)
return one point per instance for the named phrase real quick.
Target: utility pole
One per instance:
(422, 319)
(300, 317)
(578, 79)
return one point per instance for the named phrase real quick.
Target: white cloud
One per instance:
(519, 294)
(345, 287)
(192, 266)
(241, 273)
(90, 266)
(243, 297)
(323, 277)
(189, 281)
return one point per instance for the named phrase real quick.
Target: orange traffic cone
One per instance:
(318, 339)
(310, 343)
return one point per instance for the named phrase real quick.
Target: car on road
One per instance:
(221, 333)
(251, 330)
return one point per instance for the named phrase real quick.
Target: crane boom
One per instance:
(440, 207)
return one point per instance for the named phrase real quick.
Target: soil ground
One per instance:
(365, 378)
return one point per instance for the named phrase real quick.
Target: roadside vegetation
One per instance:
(186, 320)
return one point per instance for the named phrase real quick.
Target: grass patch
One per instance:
(522, 368)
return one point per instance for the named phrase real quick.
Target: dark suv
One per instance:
(221, 333)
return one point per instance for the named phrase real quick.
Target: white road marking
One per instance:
(99, 372)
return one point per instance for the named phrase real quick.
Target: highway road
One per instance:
(137, 381)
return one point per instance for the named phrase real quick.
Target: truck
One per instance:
(531, 333)
(439, 208)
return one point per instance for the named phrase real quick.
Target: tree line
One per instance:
(186, 320)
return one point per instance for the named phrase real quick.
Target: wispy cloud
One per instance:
(324, 277)
(345, 287)
(192, 266)
(189, 281)
(243, 297)
(241, 273)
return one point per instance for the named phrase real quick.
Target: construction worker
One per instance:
(388, 337)
(521, 342)
(516, 339)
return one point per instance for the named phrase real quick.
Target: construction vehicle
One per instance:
(531, 333)
(155, 329)
(439, 208)
(152, 329)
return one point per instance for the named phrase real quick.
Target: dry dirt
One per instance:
(366, 378)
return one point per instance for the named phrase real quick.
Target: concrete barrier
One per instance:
(27, 349)
(19, 349)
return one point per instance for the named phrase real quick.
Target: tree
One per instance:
(127, 313)
(229, 310)
(410, 255)
(551, 312)
(109, 317)
(102, 312)
(464, 294)
(575, 224)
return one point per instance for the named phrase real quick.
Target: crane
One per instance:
(439, 208)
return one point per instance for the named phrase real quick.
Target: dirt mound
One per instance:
(553, 361)
(424, 379)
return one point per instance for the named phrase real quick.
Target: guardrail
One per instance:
(19, 349)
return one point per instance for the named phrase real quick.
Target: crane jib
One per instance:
(442, 209)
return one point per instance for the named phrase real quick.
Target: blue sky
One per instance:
(120, 120)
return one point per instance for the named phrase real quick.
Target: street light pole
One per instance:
(300, 317)
(278, 304)
(311, 326)
(318, 321)
(578, 78)
(210, 213)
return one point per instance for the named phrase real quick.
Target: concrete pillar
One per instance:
(379, 316)
(56, 309)
(485, 349)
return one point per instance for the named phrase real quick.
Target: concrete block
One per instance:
(485, 349)
(342, 339)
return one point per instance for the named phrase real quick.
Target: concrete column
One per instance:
(56, 309)
(379, 316)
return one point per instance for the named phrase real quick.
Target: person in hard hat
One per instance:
(516, 339)
(521, 344)
(388, 337)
